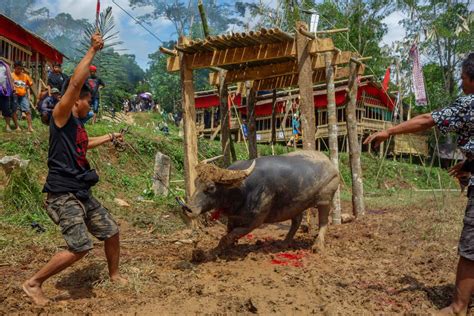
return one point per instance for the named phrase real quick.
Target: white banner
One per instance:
(417, 77)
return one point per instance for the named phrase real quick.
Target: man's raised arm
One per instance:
(63, 110)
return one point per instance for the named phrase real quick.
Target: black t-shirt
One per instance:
(69, 170)
(94, 83)
(56, 80)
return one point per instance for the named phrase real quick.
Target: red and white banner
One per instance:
(417, 77)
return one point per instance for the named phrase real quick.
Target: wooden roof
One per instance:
(267, 57)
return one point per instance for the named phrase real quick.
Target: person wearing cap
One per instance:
(95, 83)
(21, 97)
(56, 78)
(48, 104)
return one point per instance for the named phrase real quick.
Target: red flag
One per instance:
(97, 14)
(386, 79)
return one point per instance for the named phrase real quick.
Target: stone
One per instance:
(161, 174)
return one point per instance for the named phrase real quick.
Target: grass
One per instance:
(128, 175)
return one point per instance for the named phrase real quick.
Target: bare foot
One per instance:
(35, 293)
(18, 129)
(449, 311)
(119, 280)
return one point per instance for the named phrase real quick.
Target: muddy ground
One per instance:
(400, 258)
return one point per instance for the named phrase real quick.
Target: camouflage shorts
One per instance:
(77, 217)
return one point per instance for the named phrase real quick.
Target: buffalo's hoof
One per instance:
(318, 247)
(198, 255)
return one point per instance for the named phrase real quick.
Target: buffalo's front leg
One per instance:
(323, 214)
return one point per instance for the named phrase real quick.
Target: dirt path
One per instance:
(390, 263)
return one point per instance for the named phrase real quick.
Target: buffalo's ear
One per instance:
(210, 188)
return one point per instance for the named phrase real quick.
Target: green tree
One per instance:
(445, 31)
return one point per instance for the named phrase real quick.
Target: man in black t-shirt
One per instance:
(70, 203)
(56, 78)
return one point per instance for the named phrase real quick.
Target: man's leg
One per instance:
(58, 263)
(112, 253)
(25, 108)
(464, 288)
(14, 110)
(102, 225)
(465, 272)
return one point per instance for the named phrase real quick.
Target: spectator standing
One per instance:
(95, 84)
(6, 94)
(21, 98)
(56, 78)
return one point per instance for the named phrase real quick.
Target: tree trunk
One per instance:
(332, 129)
(252, 125)
(225, 118)
(358, 206)
(305, 83)
(189, 119)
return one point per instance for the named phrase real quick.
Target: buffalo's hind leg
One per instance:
(295, 224)
(323, 214)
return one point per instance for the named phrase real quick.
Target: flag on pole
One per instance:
(97, 15)
(417, 77)
(313, 26)
(386, 79)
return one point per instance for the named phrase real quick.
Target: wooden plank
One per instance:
(336, 59)
(320, 45)
(291, 80)
(189, 119)
(232, 56)
(358, 206)
(255, 73)
(305, 78)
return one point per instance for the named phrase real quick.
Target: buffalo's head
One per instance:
(211, 184)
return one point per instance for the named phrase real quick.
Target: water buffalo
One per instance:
(266, 190)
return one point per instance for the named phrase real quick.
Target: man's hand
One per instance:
(456, 171)
(118, 136)
(97, 43)
(378, 137)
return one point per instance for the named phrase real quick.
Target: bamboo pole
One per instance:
(202, 13)
(225, 118)
(252, 128)
(273, 121)
(332, 130)
(358, 206)
(189, 119)
(305, 83)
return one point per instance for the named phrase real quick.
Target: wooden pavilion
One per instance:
(19, 44)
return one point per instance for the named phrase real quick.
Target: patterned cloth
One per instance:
(459, 118)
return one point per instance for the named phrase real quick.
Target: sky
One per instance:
(139, 42)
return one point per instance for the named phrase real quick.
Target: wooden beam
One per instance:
(238, 55)
(358, 207)
(291, 80)
(276, 70)
(321, 45)
(189, 119)
(305, 83)
(332, 131)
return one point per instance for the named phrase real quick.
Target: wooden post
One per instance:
(189, 119)
(358, 206)
(252, 125)
(305, 83)
(225, 118)
(332, 131)
(273, 122)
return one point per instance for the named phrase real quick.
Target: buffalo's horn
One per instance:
(209, 172)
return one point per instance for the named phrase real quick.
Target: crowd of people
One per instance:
(16, 100)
